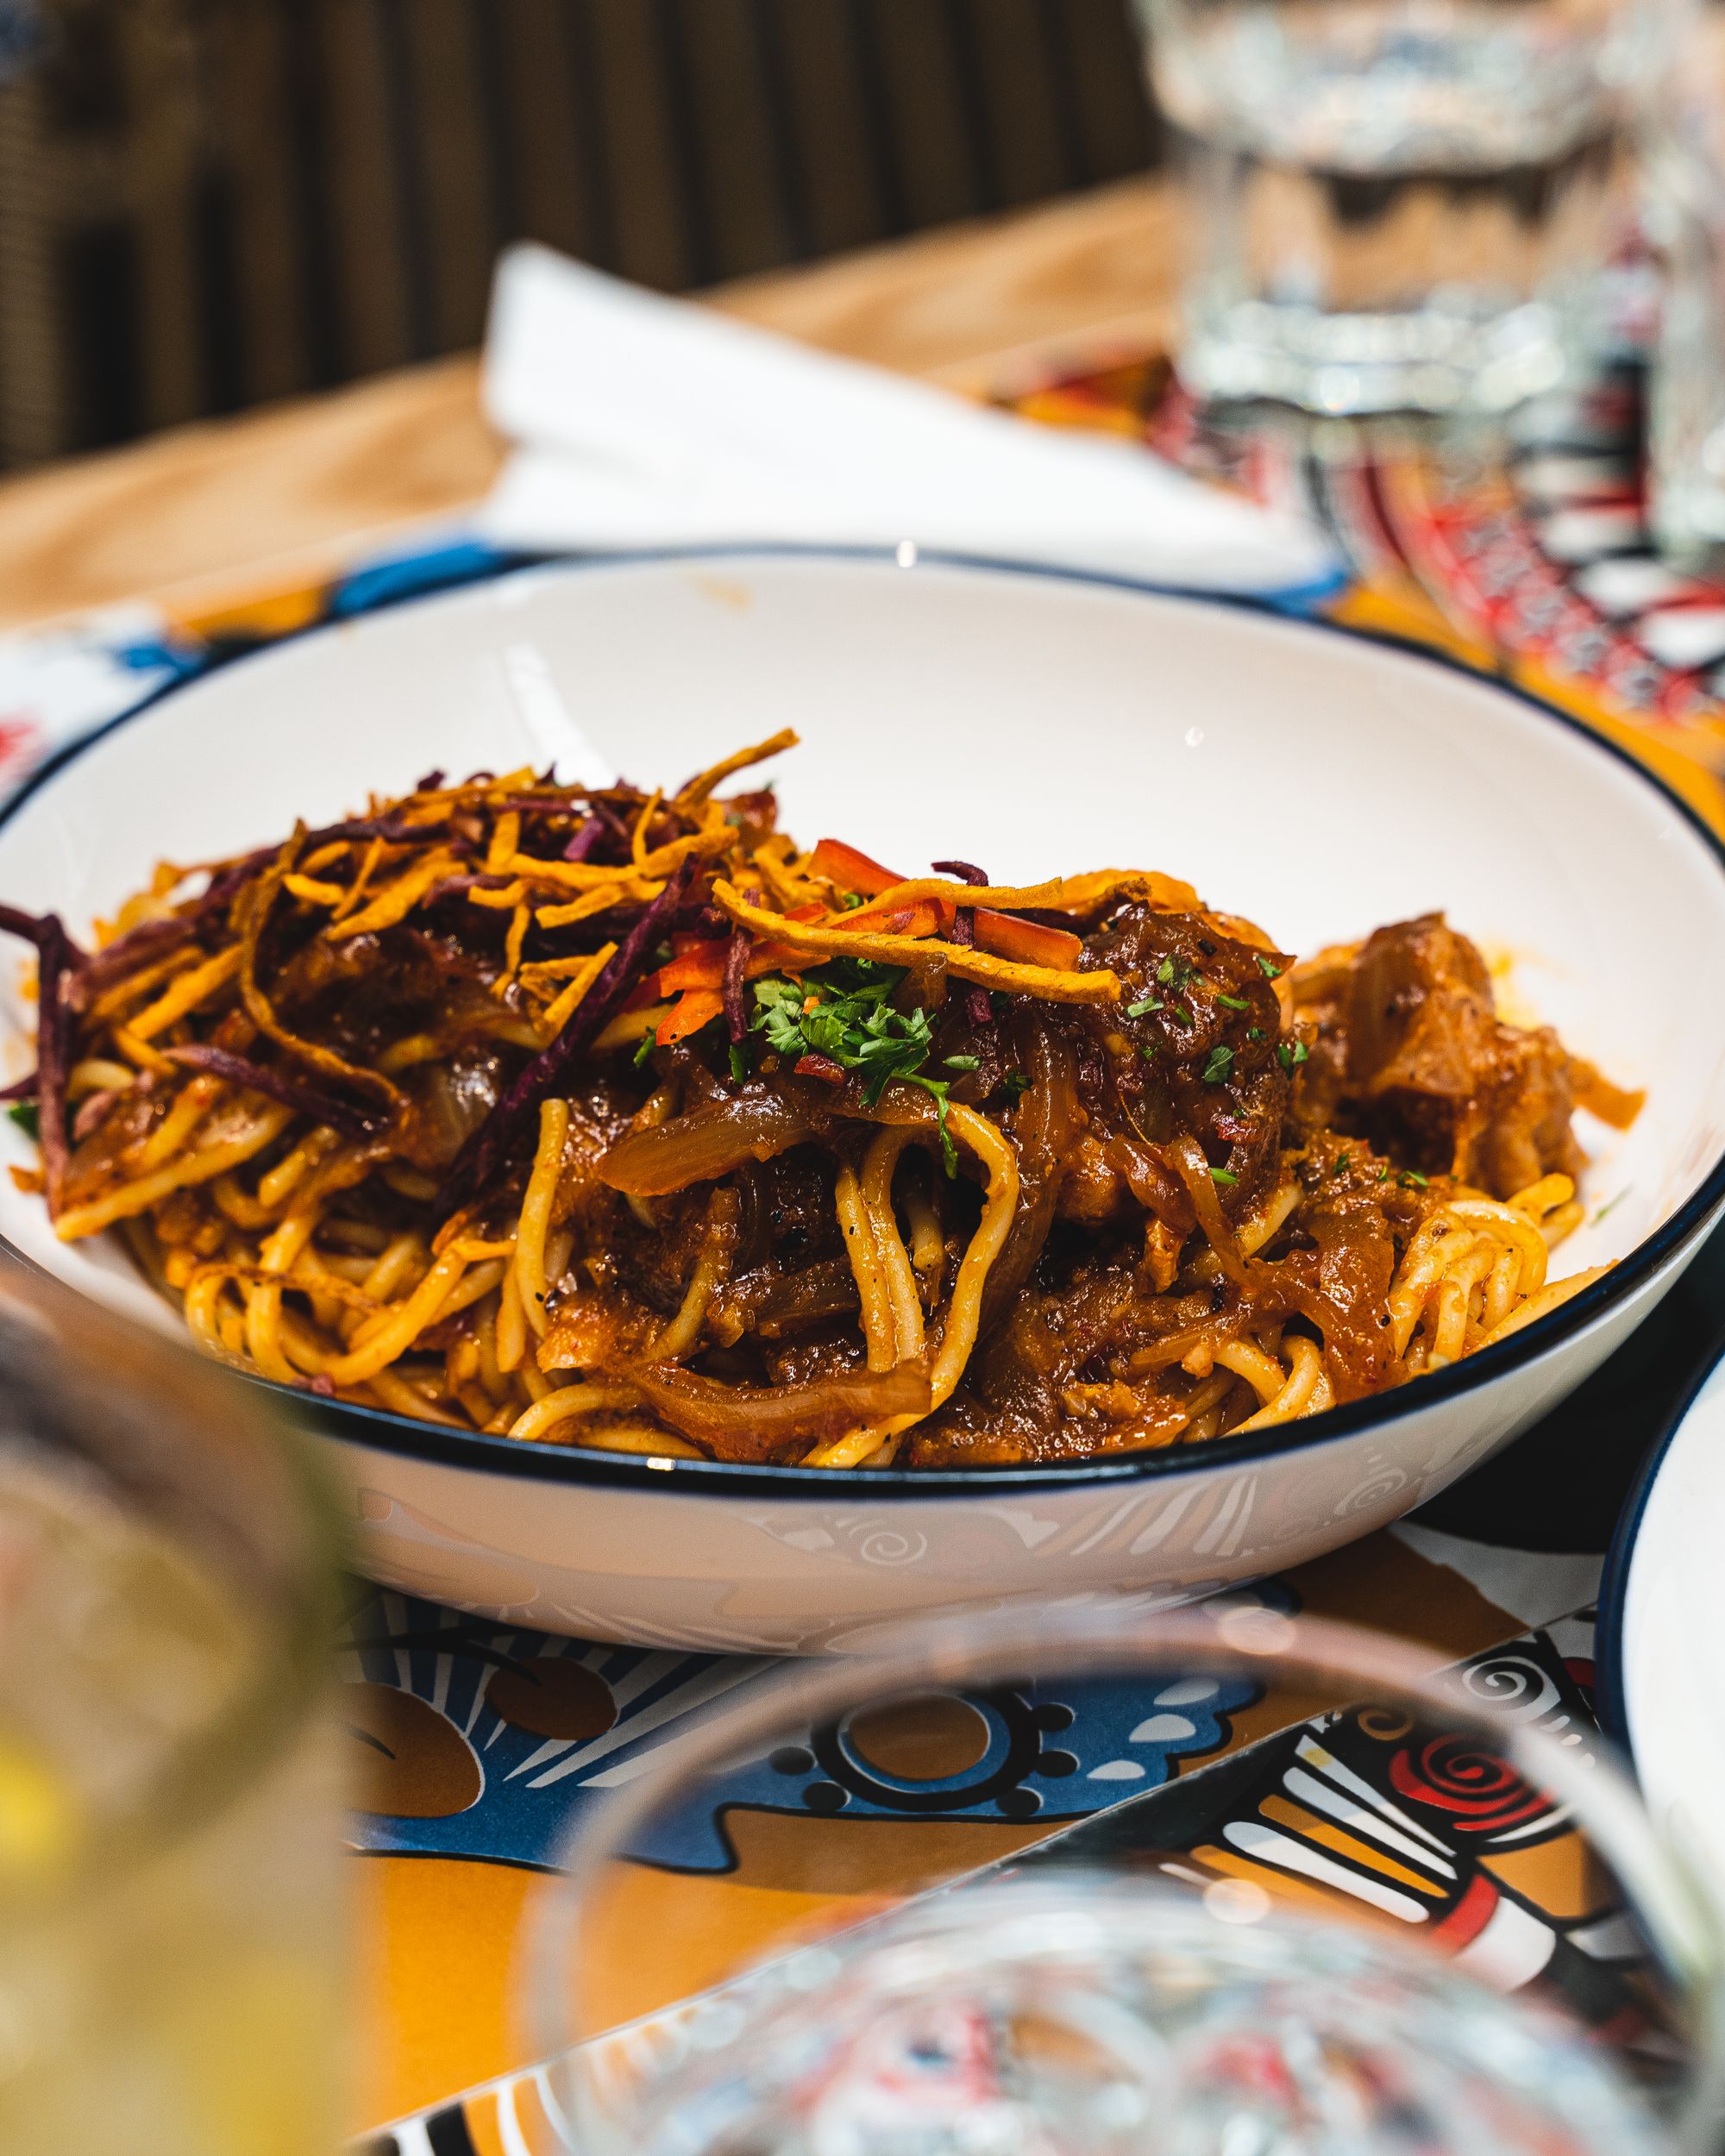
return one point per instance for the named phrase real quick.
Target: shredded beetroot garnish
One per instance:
(821, 1067)
(280, 1085)
(977, 1008)
(37, 928)
(58, 959)
(484, 1149)
(451, 885)
(91, 1111)
(736, 967)
(149, 939)
(234, 877)
(586, 838)
(550, 804)
(392, 825)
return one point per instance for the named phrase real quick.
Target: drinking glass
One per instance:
(1433, 1920)
(1395, 204)
(1685, 140)
(170, 1840)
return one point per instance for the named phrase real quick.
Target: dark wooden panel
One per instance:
(37, 399)
(1055, 29)
(1008, 49)
(403, 149)
(592, 131)
(317, 209)
(367, 228)
(1109, 90)
(651, 193)
(83, 83)
(940, 142)
(218, 245)
(97, 302)
(546, 177)
(780, 120)
(451, 168)
(250, 95)
(739, 159)
(843, 182)
(160, 163)
(287, 193)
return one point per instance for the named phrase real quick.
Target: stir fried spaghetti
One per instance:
(593, 1116)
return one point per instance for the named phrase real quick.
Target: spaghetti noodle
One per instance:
(599, 1117)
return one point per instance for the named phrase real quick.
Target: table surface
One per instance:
(286, 494)
(296, 485)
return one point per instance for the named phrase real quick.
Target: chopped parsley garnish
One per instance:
(29, 1117)
(1383, 1173)
(963, 1063)
(1234, 1003)
(1411, 1178)
(644, 1047)
(1148, 1051)
(1221, 1175)
(1290, 1054)
(1219, 1064)
(1254, 1033)
(844, 1010)
(940, 1087)
(663, 955)
(1270, 970)
(1014, 1085)
(1339, 1166)
(739, 1061)
(1174, 973)
(851, 900)
(1143, 1008)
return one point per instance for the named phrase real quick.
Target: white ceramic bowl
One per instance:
(1661, 1616)
(1316, 781)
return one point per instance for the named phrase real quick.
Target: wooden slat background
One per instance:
(209, 203)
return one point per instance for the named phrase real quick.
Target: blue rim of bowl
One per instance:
(1611, 1691)
(380, 1430)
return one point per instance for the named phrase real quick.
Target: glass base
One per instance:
(1349, 365)
(1686, 419)
(1686, 514)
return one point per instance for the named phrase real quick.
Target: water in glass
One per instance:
(1395, 204)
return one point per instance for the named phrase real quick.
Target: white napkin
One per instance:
(643, 421)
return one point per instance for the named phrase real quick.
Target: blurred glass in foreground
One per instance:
(1685, 135)
(1433, 1920)
(1395, 204)
(1069, 2018)
(170, 1823)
